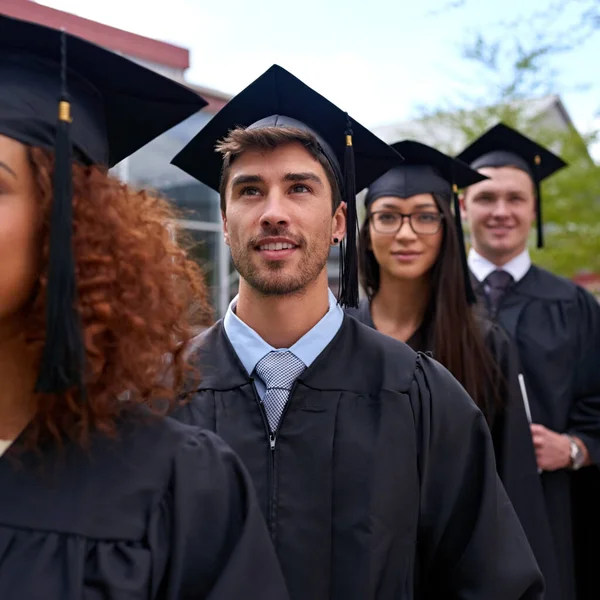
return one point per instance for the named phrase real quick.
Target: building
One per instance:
(548, 112)
(150, 166)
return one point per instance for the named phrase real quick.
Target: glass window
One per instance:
(234, 280)
(333, 276)
(202, 247)
(195, 201)
(199, 205)
(151, 167)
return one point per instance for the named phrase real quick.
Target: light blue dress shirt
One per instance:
(251, 348)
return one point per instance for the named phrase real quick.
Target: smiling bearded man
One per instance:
(374, 469)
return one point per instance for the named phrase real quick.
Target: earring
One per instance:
(335, 241)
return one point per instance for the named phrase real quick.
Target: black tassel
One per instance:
(462, 248)
(538, 202)
(62, 358)
(349, 259)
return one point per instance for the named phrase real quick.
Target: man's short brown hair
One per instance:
(242, 140)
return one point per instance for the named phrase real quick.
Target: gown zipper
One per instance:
(272, 435)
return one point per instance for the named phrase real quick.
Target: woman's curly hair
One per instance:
(140, 299)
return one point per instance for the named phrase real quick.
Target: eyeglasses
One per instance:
(422, 223)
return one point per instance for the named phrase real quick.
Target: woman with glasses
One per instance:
(414, 273)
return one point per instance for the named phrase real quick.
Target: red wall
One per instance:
(131, 44)
(103, 35)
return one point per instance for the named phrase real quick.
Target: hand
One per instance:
(552, 450)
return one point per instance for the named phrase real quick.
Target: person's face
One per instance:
(404, 254)
(278, 219)
(19, 227)
(500, 212)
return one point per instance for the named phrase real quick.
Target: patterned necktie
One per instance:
(497, 282)
(279, 371)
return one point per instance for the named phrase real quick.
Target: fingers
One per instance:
(539, 436)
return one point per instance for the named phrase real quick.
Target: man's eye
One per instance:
(249, 191)
(299, 188)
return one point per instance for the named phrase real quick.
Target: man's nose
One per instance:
(500, 209)
(275, 211)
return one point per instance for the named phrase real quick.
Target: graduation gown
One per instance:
(515, 454)
(164, 511)
(556, 327)
(381, 484)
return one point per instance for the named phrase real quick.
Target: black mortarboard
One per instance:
(428, 171)
(502, 146)
(279, 99)
(87, 104)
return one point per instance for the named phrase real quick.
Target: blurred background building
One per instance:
(199, 205)
(150, 166)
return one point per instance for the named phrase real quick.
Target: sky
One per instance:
(380, 60)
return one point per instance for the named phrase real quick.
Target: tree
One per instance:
(513, 63)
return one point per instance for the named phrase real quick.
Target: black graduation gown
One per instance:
(556, 327)
(515, 454)
(381, 484)
(163, 512)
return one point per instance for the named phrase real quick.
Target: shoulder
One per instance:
(362, 360)
(204, 454)
(365, 361)
(107, 489)
(147, 446)
(550, 286)
(207, 338)
(384, 362)
(150, 458)
(375, 340)
(361, 313)
(216, 361)
(550, 289)
(440, 400)
(380, 359)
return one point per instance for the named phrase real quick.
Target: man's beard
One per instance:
(269, 278)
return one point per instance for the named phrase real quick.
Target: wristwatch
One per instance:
(577, 456)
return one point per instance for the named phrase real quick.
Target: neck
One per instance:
(499, 260)
(282, 320)
(399, 306)
(18, 380)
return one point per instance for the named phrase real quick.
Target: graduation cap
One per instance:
(502, 146)
(279, 99)
(89, 105)
(428, 171)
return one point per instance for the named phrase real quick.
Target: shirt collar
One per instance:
(481, 267)
(251, 348)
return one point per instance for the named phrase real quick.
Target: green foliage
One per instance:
(513, 63)
(571, 205)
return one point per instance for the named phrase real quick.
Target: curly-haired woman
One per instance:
(100, 495)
